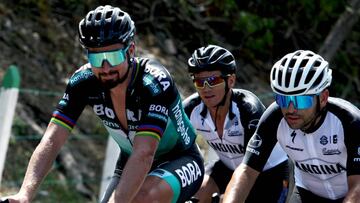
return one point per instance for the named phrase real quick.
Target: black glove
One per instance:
(4, 201)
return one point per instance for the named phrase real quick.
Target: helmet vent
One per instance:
(116, 26)
(90, 16)
(98, 16)
(287, 78)
(318, 80)
(310, 55)
(108, 14)
(283, 62)
(227, 60)
(298, 77)
(273, 75)
(317, 63)
(303, 63)
(107, 29)
(279, 77)
(309, 76)
(292, 63)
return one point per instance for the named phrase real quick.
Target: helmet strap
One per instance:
(222, 102)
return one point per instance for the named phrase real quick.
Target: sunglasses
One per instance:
(299, 102)
(211, 82)
(114, 57)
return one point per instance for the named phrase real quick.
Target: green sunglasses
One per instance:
(114, 57)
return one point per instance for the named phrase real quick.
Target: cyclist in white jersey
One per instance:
(227, 118)
(319, 133)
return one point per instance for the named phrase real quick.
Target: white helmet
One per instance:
(300, 73)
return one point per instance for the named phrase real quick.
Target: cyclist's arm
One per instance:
(240, 184)
(41, 161)
(353, 194)
(136, 168)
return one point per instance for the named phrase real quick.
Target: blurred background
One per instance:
(40, 38)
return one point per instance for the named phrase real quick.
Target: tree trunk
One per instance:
(340, 30)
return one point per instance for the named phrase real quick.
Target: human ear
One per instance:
(324, 95)
(132, 49)
(231, 80)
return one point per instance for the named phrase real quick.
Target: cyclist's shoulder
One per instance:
(191, 103)
(153, 74)
(343, 108)
(336, 103)
(272, 114)
(246, 99)
(81, 75)
(244, 95)
(192, 99)
(150, 65)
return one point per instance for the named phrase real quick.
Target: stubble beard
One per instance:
(109, 84)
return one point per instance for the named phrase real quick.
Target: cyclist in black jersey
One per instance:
(226, 118)
(140, 106)
(319, 133)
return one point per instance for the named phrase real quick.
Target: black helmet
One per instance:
(211, 58)
(106, 25)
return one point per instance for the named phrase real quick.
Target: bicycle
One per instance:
(215, 198)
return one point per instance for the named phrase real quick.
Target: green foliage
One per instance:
(260, 43)
(256, 30)
(249, 23)
(73, 3)
(227, 7)
(19, 127)
(59, 191)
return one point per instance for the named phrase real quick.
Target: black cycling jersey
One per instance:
(147, 112)
(240, 124)
(153, 108)
(323, 158)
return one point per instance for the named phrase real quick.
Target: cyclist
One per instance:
(319, 133)
(226, 118)
(140, 106)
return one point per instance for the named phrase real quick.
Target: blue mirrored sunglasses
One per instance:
(114, 57)
(299, 102)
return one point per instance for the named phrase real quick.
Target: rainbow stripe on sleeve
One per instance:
(150, 130)
(62, 120)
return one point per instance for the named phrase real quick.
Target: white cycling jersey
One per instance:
(240, 124)
(323, 158)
